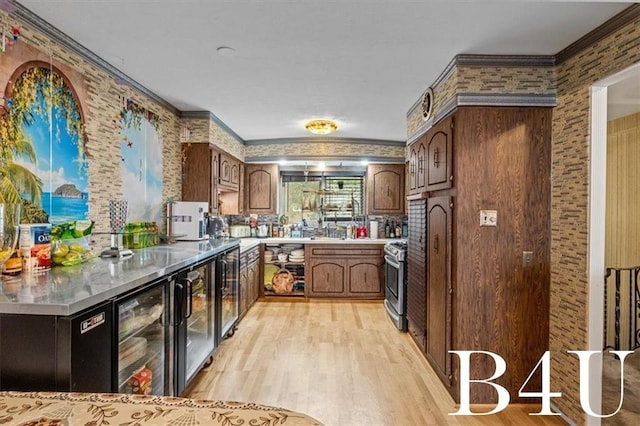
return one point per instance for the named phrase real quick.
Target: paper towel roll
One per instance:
(373, 229)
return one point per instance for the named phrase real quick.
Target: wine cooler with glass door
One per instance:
(194, 320)
(228, 287)
(143, 341)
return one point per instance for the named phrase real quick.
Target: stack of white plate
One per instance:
(296, 255)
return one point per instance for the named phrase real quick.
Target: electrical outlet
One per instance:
(488, 218)
(527, 258)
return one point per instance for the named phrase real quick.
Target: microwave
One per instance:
(188, 220)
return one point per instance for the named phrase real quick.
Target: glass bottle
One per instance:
(126, 237)
(136, 234)
(156, 234)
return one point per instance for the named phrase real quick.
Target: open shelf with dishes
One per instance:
(283, 270)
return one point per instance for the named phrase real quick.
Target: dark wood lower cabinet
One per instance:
(327, 277)
(438, 289)
(249, 279)
(355, 271)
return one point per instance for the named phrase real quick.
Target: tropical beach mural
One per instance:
(42, 148)
(141, 156)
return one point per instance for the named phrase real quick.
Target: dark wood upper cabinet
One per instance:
(261, 188)
(439, 145)
(413, 171)
(229, 172)
(385, 189)
(418, 165)
(200, 174)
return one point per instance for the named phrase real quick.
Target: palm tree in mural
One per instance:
(15, 179)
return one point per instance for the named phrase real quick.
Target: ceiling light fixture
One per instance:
(321, 127)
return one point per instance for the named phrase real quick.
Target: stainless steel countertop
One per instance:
(69, 290)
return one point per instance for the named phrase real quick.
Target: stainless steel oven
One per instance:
(395, 301)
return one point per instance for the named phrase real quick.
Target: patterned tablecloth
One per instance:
(97, 409)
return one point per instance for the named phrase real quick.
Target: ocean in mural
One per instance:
(141, 151)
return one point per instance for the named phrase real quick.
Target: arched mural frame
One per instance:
(26, 66)
(74, 117)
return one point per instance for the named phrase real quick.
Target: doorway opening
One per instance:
(615, 107)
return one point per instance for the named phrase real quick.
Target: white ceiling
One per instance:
(361, 62)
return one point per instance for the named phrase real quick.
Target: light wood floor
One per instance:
(342, 363)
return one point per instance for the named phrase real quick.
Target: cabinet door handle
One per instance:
(327, 274)
(388, 191)
(436, 158)
(420, 165)
(179, 297)
(365, 277)
(189, 298)
(436, 243)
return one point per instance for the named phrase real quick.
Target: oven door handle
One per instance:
(391, 261)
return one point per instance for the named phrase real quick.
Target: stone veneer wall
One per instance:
(469, 79)
(226, 142)
(103, 103)
(570, 201)
(443, 92)
(206, 130)
(198, 130)
(316, 149)
(512, 80)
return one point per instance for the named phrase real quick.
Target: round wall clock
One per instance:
(427, 104)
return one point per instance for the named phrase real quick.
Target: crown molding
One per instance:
(305, 140)
(498, 99)
(484, 99)
(369, 159)
(505, 60)
(623, 18)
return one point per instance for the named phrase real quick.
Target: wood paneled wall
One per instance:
(502, 161)
(622, 243)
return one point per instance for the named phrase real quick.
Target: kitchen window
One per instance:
(322, 198)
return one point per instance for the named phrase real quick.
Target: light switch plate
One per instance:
(488, 218)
